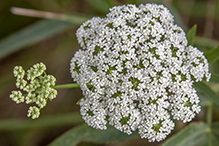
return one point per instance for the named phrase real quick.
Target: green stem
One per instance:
(209, 122)
(44, 73)
(73, 85)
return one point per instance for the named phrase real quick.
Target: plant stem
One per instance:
(49, 15)
(73, 85)
(209, 122)
(35, 13)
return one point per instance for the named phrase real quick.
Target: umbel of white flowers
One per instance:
(136, 71)
(38, 86)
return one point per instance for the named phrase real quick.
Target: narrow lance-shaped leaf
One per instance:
(215, 125)
(212, 55)
(203, 139)
(188, 136)
(207, 91)
(215, 131)
(214, 78)
(85, 133)
(102, 6)
(138, 2)
(206, 43)
(191, 35)
(35, 33)
(42, 122)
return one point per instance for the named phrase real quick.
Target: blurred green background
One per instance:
(26, 40)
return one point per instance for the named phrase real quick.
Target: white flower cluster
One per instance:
(37, 86)
(136, 71)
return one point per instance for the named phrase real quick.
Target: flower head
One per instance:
(38, 88)
(136, 71)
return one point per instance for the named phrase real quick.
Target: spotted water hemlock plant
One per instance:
(37, 86)
(136, 71)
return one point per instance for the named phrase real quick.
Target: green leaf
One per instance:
(214, 78)
(138, 2)
(188, 136)
(85, 133)
(193, 9)
(191, 35)
(102, 6)
(215, 125)
(204, 101)
(216, 133)
(212, 55)
(206, 42)
(207, 91)
(203, 139)
(41, 123)
(35, 33)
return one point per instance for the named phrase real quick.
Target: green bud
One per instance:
(29, 88)
(38, 88)
(41, 102)
(31, 74)
(17, 96)
(21, 83)
(18, 72)
(30, 98)
(52, 94)
(33, 112)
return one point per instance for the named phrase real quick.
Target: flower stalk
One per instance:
(64, 86)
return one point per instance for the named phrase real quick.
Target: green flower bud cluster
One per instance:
(38, 87)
